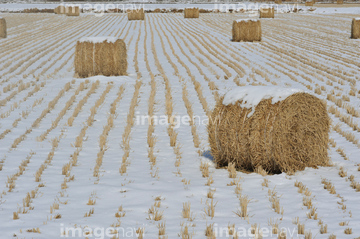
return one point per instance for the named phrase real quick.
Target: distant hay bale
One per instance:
(191, 12)
(286, 136)
(267, 12)
(100, 56)
(247, 30)
(73, 11)
(309, 3)
(60, 10)
(136, 14)
(340, 1)
(278, 1)
(3, 30)
(355, 28)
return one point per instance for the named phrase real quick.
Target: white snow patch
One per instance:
(246, 20)
(252, 95)
(99, 39)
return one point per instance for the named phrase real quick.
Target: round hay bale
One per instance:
(355, 28)
(282, 132)
(340, 1)
(309, 3)
(3, 31)
(248, 30)
(100, 56)
(136, 14)
(191, 12)
(73, 11)
(267, 12)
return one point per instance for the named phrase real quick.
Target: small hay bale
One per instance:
(309, 3)
(136, 14)
(355, 28)
(267, 12)
(340, 1)
(191, 12)
(100, 56)
(3, 30)
(60, 10)
(280, 136)
(73, 11)
(248, 30)
(278, 1)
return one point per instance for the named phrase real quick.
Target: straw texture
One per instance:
(3, 31)
(137, 14)
(246, 31)
(73, 11)
(267, 12)
(108, 59)
(355, 29)
(191, 13)
(283, 137)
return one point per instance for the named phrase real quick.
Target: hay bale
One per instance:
(246, 30)
(355, 28)
(191, 12)
(136, 14)
(278, 1)
(3, 30)
(100, 56)
(60, 10)
(309, 3)
(280, 134)
(73, 11)
(340, 1)
(267, 12)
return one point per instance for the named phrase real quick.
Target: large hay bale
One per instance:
(100, 56)
(280, 130)
(72, 11)
(3, 30)
(191, 12)
(246, 30)
(267, 12)
(355, 28)
(136, 14)
(309, 3)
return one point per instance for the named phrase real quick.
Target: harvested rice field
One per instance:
(79, 159)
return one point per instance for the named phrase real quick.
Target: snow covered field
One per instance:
(75, 155)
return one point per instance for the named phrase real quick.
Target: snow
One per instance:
(250, 96)
(247, 20)
(99, 39)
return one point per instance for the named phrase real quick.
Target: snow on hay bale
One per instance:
(100, 56)
(246, 30)
(191, 12)
(73, 11)
(136, 14)
(266, 12)
(355, 28)
(3, 31)
(278, 129)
